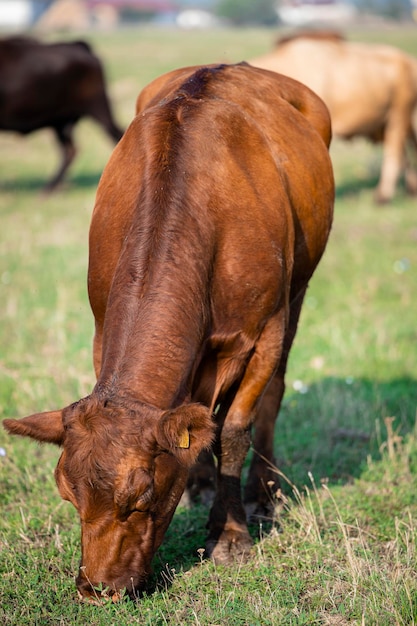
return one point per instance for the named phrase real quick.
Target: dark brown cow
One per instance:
(370, 90)
(210, 219)
(52, 85)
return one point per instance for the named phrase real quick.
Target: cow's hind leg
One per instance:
(411, 163)
(395, 137)
(64, 136)
(229, 537)
(263, 482)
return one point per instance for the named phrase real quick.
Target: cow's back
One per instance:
(227, 139)
(302, 99)
(277, 107)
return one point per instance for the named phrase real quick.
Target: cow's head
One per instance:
(124, 470)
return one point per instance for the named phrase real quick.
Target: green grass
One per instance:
(343, 549)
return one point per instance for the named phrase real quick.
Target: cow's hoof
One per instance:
(382, 199)
(230, 547)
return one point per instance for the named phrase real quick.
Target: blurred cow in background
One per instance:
(52, 85)
(370, 90)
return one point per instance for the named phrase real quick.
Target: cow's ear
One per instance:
(46, 427)
(186, 431)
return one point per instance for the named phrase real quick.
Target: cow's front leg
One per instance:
(65, 139)
(229, 537)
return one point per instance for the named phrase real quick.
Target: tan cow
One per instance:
(370, 91)
(210, 219)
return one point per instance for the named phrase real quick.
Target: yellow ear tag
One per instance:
(184, 439)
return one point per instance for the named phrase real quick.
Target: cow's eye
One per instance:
(143, 502)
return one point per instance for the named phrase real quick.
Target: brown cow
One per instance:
(52, 86)
(370, 91)
(210, 219)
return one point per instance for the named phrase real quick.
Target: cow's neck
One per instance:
(156, 318)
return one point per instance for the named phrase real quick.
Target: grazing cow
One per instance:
(52, 85)
(370, 91)
(210, 219)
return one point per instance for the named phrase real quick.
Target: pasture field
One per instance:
(343, 548)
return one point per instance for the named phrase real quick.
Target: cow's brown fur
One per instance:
(210, 219)
(370, 90)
